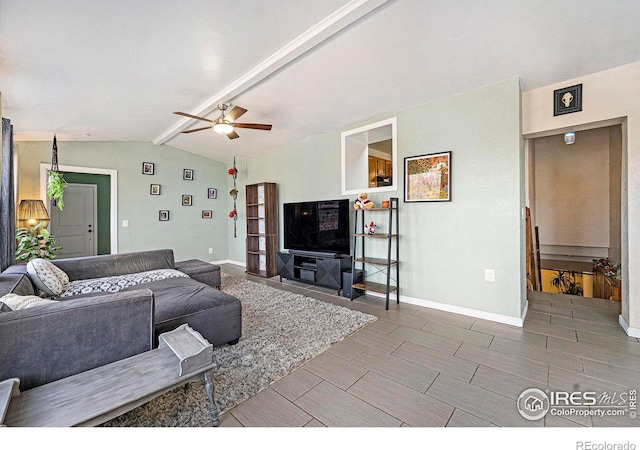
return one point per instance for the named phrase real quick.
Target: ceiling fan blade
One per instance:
(192, 116)
(197, 129)
(233, 135)
(254, 126)
(235, 112)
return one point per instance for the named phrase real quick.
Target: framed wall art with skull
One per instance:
(567, 100)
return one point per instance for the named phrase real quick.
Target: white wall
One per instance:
(572, 195)
(609, 95)
(445, 247)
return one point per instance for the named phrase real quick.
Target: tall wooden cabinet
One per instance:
(262, 229)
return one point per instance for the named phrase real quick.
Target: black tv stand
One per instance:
(318, 268)
(314, 254)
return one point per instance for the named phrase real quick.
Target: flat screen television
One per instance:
(317, 227)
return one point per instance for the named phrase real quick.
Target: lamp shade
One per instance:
(31, 213)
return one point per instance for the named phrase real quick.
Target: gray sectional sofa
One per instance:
(85, 328)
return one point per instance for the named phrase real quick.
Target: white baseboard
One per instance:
(229, 261)
(507, 320)
(633, 332)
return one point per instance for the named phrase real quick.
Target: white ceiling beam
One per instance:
(315, 35)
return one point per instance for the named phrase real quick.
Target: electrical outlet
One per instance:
(210, 250)
(125, 223)
(489, 275)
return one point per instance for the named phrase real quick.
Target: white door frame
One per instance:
(113, 214)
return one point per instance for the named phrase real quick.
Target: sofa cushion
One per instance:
(47, 277)
(117, 283)
(216, 315)
(87, 267)
(16, 283)
(15, 302)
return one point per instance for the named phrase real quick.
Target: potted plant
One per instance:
(55, 188)
(35, 242)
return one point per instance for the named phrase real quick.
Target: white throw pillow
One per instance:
(15, 301)
(47, 276)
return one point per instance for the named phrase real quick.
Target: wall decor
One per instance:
(567, 100)
(427, 178)
(233, 214)
(187, 174)
(163, 215)
(148, 168)
(212, 193)
(155, 189)
(186, 200)
(207, 214)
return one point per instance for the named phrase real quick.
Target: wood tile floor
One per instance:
(420, 367)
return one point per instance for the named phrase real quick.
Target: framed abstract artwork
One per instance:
(186, 200)
(155, 189)
(163, 215)
(207, 214)
(427, 178)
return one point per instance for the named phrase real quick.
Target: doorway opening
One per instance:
(106, 181)
(575, 197)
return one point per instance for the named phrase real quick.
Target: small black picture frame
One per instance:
(154, 189)
(163, 215)
(187, 174)
(148, 168)
(207, 214)
(212, 193)
(567, 100)
(187, 200)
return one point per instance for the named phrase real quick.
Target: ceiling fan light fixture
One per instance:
(222, 128)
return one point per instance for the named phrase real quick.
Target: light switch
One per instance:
(489, 275)
(125, 223)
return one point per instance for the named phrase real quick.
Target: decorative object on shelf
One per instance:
(212, 193)
(187, 174)
(233, 171)
(609, 269)
(155, 189)
(363, 202)
(370, 228)
(567, 100)
(428, 178)
(55, 183)
(186, 200)
(148, 168)
(163, 215)
(31, 213)
(385, 203)
(207, 214)
(35, 242)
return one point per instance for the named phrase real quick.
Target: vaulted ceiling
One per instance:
(116, 70)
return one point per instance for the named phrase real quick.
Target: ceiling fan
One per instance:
(225, 124)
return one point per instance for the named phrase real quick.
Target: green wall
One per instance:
(444, 247)
(186, 232)
(103, 188)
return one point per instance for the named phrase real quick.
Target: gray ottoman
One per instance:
(201, 271)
